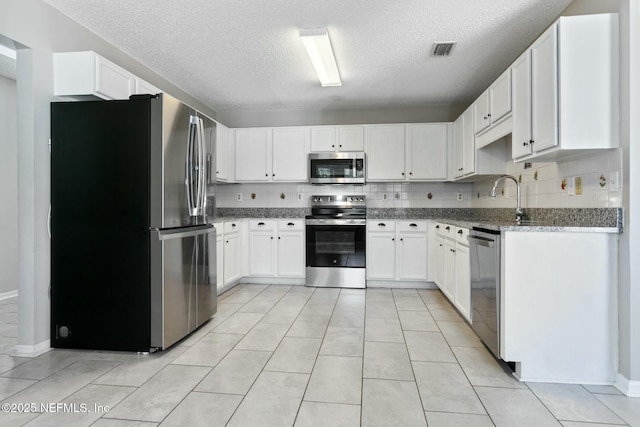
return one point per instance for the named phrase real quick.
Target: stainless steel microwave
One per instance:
(337, 168)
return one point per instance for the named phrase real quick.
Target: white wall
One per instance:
(8, 186)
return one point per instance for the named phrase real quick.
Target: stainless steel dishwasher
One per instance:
(484, 248)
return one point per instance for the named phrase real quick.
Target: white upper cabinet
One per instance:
(271, 154)
(426, 151)
(337, 138)
(87, 73)
(493, 104)
(481, 114)
(569, 102)
(464, 145)
(290, 150)
(222, 153)
(385, 150)
(407, 152)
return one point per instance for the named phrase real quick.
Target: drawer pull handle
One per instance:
(448, 228)
(413, 225)
(260, 224)
(233, 225)
(437, 227)
(460, 232)
(290, 224)
(382, 224)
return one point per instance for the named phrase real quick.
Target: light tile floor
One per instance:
(297, 356)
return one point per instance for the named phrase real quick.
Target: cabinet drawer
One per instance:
(381, 225)
(231, 226)
(290, 224)
(461, 236)
(420, 226)
(262, 224)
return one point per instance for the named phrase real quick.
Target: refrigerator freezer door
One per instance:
(182, 296)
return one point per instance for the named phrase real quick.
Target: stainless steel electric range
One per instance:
(336, 242)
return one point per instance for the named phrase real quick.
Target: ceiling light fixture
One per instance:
(316, 42)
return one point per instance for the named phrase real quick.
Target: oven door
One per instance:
(336, 243)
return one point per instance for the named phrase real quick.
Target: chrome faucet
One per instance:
(518, 210)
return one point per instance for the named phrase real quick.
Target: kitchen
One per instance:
(379, 195)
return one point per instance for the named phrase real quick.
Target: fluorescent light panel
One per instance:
(316, 42)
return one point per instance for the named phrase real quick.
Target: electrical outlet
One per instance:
(239, 197)
(460, 197)
(578, 185)
(384, 196)
(299, 196)
(571, 187)
(614, 185)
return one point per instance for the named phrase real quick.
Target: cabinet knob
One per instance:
(233, 225)
(402, 240)
(524, 144)
(278, 237)
(460, 232)
(332, 146)
(437, 227)
(531, 141)
(382, 224)
(340, 145)
(448, 228)
(266, 174)
(393, 239)
(488, 114)
(410, 173)
(402, 173)
(271, 237)
(273, 174)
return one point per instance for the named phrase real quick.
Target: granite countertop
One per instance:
(537, 226)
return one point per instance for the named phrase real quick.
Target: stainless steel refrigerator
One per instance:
(132, 248)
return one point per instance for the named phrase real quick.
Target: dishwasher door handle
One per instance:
(480, 241)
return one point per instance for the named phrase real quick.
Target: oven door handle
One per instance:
(335, 222)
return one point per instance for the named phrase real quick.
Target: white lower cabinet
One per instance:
(397, 250)
(232, 244)
(276, 248)
(452, 266)
(219, 256)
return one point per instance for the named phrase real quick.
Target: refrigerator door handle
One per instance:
(202, 184)
(191, 199)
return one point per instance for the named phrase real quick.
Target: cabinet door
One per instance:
(462, 288)
(253, 154)
(386, 153)
(521, 78)
(438, 276)
(544, 91)
(427, 151)
(412, 256)
(468, 144)
(350, 138)
(112, 81)
(231, 257)
(381, 256)
(262, 253)
(323, 138)
(142, 88)
(290, 153)
(220, 261)
(481, 116)
(458, 147)
(291, 247)
(222, 153)
(500, 97)
(449, 269)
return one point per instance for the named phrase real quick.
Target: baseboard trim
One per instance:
(33, 350)
(400, 284)
(628, 387)
(273, 280)
(8, 295)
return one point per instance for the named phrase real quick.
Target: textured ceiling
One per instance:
(246, 55)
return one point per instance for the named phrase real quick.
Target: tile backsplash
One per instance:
(541, 186)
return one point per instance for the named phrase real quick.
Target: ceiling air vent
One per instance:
(443, 48)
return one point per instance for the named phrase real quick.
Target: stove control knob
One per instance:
(350, 199)
(315, 200)
(362, 199)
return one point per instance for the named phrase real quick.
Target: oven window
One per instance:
(336, 246)
(335, 242)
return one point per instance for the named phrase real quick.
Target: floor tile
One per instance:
(483, 369)
(259, 305)
(295, 355)
(347, 318)
(10, 362)
(582, 424)
(446, 313)
(444, 388)
(239, 323)
(383, 330)
(282, 315)
(316, 414)
(602, 389)
(243, 296)
(293, 300)
(388, 403)
(235, 373)
(309, 326)
(417, 321)
(273, 400)
(322, 308)
(263, 337)
(335, 379)
(459, 334)
(510, 407)
(203, 409)
(10, 386)
(16, 419)
(155, 399)
(410, 303)
(351, 300)
(571, 402)
(628, 408)
(448, 419)
(432, 296)
(428, 347)
(381, 310)
(43, 365)
(209, 350)
(106, 422)
(343, 342)
(379, 295)
(386, 361)
(404, 292)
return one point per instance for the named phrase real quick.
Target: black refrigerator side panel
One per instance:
(100, 292)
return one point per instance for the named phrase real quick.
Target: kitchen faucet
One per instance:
(518, 210)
